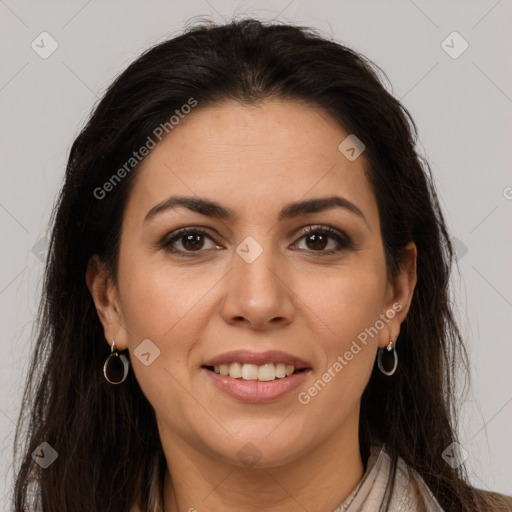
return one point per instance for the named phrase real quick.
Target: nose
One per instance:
(258, 293)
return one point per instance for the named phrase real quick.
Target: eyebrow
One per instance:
(213, 209)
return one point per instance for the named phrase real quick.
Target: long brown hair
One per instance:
(109, 452)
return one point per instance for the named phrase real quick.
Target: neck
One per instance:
(317, 481)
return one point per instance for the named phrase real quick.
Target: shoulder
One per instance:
(412, 494)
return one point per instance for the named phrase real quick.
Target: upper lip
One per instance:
(258, 358)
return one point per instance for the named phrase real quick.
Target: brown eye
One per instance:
(318, 238)
(188, 240)
(316, 241)
(192, 242)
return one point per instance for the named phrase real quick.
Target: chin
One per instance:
(261, 451)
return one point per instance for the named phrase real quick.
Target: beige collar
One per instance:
(410, 491)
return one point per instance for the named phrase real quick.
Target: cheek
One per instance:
(157, 299)
(164, 307)
(348, 306)
(346, 300)
(171, 307)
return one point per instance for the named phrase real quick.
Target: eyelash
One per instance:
(343, 240)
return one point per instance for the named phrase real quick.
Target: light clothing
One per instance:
(410, 493)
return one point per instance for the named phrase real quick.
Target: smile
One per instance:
(264, 373)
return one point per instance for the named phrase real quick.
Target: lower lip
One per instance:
(256, 391)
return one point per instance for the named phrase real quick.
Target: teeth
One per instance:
(280, 370)
(267, 372)
(264, 373)
(250, 372)
(235, 370)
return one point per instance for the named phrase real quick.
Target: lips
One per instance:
(258, 358)
(256, 377)
(256, 391)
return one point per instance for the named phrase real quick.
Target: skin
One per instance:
(254, 160)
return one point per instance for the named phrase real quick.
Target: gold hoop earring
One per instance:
(389, 347)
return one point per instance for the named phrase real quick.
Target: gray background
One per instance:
(462, 107)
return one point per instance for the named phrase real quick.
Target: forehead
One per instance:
(254, 159)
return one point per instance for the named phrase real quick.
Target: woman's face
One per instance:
(246, 277)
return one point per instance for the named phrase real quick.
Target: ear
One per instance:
(106, 299)
(399, 295)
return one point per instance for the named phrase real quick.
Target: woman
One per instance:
(246, 300)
